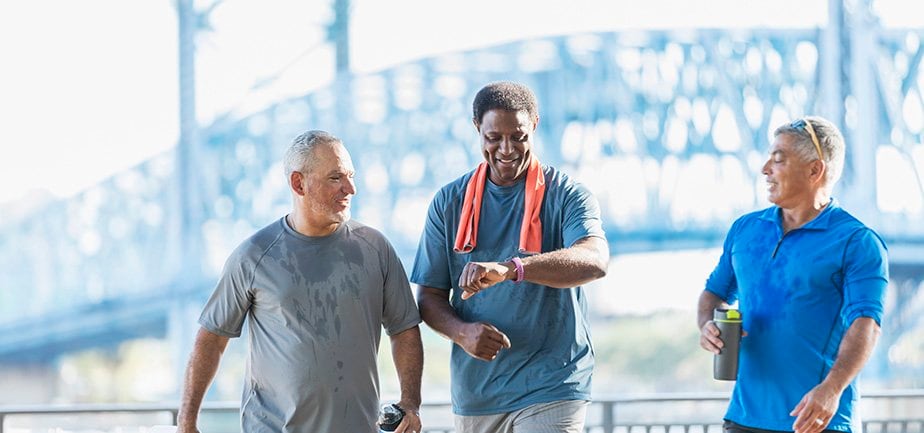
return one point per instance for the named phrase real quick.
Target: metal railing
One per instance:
(894, 411)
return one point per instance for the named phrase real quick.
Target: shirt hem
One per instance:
(217, 331)
(521, 405)
(780, 426)
(403, 327)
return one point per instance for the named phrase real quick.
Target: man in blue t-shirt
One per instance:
(501, 260)
(810, 280)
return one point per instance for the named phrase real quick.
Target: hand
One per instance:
(477, 276)
(710, 339)
(482, 341)
(411, 422)
(815, 410)
(182, 429)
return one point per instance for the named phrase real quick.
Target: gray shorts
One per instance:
(564, 416)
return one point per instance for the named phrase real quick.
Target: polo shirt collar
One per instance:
(820, 222)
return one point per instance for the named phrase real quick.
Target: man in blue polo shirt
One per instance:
(810, 281)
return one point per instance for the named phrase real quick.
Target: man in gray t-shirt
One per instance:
(316, 288)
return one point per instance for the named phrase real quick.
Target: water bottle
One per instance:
(390, 417)
(725, 364)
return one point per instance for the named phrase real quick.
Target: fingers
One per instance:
(485, 342)
(488, 349)
(496, 336)
(709, 338)
(811, 416)
(810, 422)
(799, 407)
(472, 275)
(410, 424)
(505, 342)
(477, 276)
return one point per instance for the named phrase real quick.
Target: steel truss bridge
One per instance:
(668, 128)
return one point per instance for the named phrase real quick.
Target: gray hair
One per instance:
(830, 139)
(300, 155)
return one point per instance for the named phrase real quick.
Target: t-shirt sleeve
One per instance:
(399, 307)
(866, 276)
(722, 281)
(431, 265)
(226, 309)
(581, 216)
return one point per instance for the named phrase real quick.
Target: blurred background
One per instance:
(142, 142)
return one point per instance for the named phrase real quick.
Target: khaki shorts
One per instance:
(565, 416)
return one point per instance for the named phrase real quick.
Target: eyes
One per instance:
(337, 177)
(491, 138)
(777, 157)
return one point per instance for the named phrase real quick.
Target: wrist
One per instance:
(835, 384)
(517, 273)
(410, 407)
(511, 273)
(460, 332)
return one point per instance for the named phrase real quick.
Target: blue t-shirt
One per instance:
(798, 293)
(551, 357)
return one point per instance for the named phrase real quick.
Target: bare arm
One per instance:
(709, 333)
(578, 264)
(821, 402)
(203, 364)
(407, 352)
(480, 340)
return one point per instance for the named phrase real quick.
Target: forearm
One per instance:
(438, 314)
(203, 364)
(581, 263)
(407, 352)
(708, 302)
(855, 349)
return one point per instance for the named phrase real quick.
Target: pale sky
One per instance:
(89, 88)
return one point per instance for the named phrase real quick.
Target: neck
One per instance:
(800, 215)
(301, 224)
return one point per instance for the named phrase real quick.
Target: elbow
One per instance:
(877, 331)
(599, 270)
(601, 263)
(600, 266)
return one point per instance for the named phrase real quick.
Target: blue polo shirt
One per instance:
(798, 293)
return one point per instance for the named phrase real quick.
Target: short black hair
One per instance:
(504, 95)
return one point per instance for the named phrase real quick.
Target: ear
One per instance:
(536, 123)
(296, 182)
(477, 124)
(818, 170)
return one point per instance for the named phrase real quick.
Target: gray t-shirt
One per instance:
(315, 306)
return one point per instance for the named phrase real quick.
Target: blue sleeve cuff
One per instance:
(723, 296)
(863, 311)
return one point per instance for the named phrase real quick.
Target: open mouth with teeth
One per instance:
(509, 161)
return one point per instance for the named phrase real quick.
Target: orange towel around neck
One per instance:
(530, 230)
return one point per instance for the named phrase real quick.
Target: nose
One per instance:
(765, 170)
(506, 146)
(349, 186)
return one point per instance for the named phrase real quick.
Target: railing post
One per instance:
(609, 421)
